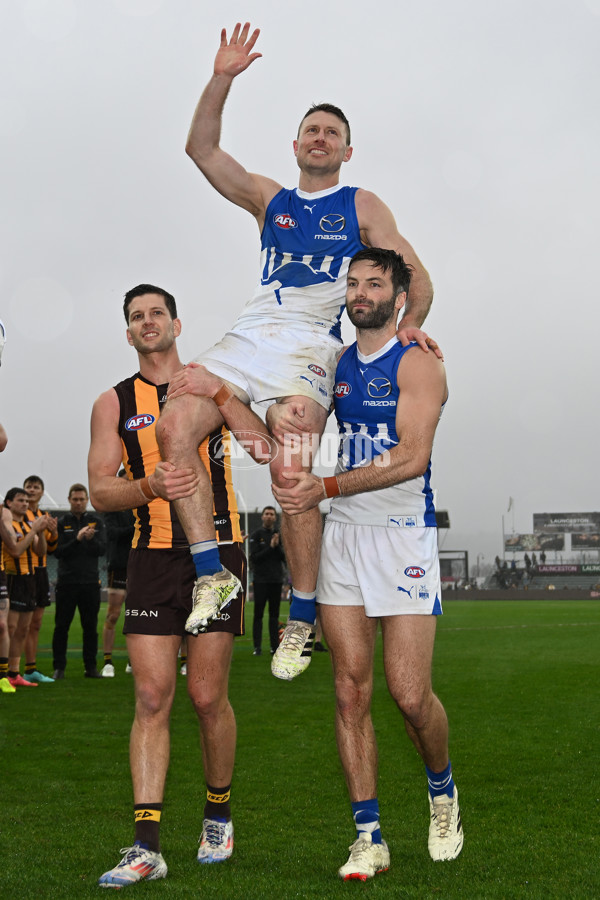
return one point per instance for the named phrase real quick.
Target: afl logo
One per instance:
(332, 223)
(284, 220)
(414, 572)
(317, 370)
(379, 387)
(135, 423)
(342, 389)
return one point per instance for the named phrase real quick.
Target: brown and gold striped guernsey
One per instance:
(23, 564)
(41, 561)
(156, 524)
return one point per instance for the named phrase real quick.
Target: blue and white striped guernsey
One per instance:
(307, 242)
(366, 394)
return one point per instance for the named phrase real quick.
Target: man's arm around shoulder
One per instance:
(378, 229)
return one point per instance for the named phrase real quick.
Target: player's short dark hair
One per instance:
(13, 492)
(334, 111)
(78, 487)
(34, 479)
(269, 507)
(141, 289)
(387, 261)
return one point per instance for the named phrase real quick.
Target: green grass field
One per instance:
(520, 684)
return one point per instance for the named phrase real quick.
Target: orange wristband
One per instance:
(222, 395)
(145, 488)
(331, 486)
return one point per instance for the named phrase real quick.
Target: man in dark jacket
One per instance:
(81, 540)
(119, 535)
(267, 560)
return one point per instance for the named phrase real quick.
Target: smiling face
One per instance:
(151, 328)
(321, 144)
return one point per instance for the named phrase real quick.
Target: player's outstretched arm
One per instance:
(3, 438)
(109, 493)
(229, 177)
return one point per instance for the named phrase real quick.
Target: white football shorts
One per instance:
(272, 361)
(389, 571)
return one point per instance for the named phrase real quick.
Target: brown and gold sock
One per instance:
(217, 803)
(147, 824)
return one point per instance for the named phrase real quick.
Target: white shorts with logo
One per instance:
(270, 361)
(389, 571)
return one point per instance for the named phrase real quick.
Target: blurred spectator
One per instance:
(119, 534)
(267, 560)
(34, 487)
(81, 540)
(20, 540)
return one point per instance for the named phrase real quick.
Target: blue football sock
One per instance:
(440, 782)
(206, 558)
(303, 606)
(366, 817)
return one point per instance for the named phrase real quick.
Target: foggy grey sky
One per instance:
(476, 122)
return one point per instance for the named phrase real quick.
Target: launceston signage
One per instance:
(586, 569)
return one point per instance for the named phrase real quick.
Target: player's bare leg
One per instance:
(33, 633)
(5, 685)
(301, 534)
(116, 597)
(184, 423)
(209, 661)
(18, 626)
(154, 661)
(407, 653)
(31, 647)
(351, 638)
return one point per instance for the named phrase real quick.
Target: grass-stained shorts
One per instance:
(273, 361)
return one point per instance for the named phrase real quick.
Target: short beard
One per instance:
(377, 317)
